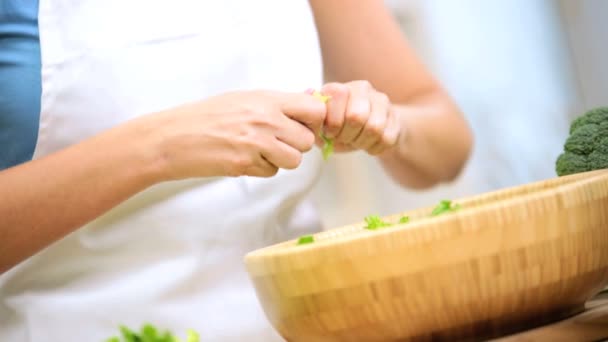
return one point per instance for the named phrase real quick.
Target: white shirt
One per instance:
(173, 254)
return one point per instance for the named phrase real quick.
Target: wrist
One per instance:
(399, 151)
(136, 149)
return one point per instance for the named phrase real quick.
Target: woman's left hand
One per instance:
(360, 118)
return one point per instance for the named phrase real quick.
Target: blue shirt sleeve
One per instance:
(20, 83)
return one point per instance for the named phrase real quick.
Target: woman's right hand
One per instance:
(251, 133)
(242, 133)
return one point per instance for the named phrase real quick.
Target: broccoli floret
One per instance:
(583, 140)
(595, 116)
(600, 154)
(569, 163)
(586, 148)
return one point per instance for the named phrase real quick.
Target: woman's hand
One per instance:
(241, 133)
(365, 42)
(360, 118)
(250, 133)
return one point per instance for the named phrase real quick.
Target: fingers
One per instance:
(281, 154)
(356, 117)
(303, 108)
(265, 159)
(263, 168)
(274, 155)
(390, 137)
(359, 117)
(373, 131)
(290, 132)
(336, 107)
(296, 135)
(357, 112)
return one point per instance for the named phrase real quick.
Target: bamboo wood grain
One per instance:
(509, 260)
(589, 326)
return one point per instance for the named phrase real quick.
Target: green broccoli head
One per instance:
(600, 154)
(586, 148)
(569, 163)
(597, 116)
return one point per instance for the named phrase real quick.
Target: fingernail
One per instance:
(309, 91)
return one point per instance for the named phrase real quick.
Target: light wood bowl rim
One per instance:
(547, 188)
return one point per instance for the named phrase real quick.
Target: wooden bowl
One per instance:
(506, 261)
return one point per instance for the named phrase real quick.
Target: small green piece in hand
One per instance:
(328, 144)
(328, 147)
(323, 98)
(306, 239)
(404, 219)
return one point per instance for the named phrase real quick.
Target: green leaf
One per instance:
(149, 333)
(192, 336)
(306, 239)
(404, 219)
(328, 144)
(374, 222)
(328, 147)
(129, 335)
(445, 206)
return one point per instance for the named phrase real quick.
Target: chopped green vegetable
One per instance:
(586, 149)
(192, 336)
(150, 333)
(445, 206)
(328, 144)
(306, 239)
(374, 222)
(328, 147)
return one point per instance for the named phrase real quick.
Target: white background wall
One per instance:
(587, 31)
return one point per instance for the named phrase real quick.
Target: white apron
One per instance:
(173, 254)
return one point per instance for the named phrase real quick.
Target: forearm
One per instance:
(434, 145)
(46, 199)
(365, 42)
(231, 135)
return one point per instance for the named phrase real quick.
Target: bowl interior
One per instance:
(420, 217)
